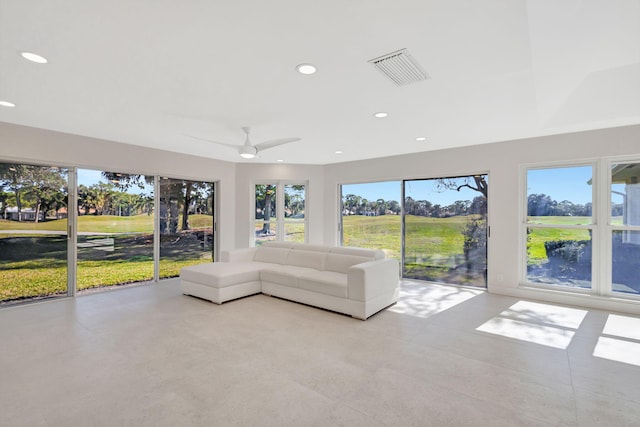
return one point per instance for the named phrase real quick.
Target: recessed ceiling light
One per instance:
(421, 138)
(338, 152)
(381, 114)
(7, 104)
(34, 57)
(306, 69)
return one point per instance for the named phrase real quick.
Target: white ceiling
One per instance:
(151, 72)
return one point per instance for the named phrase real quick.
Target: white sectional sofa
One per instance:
(354, 281)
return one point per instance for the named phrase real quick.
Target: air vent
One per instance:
(400, 67)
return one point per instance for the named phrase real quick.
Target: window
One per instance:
(625, 227)
(582, 227)
(279, 212)
(559, 226)
(294, 217)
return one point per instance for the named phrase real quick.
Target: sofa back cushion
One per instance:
(271, 254)
(371, 253)
(341, 263)
(309, 247)
(310, 259)
(277, 244)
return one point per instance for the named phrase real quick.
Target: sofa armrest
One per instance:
(373, 278)
(238, 255)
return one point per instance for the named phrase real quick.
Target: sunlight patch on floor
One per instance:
(618, 350)
(622, 343)
(544, 324)
(424, 300)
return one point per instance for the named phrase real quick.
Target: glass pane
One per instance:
(186, 224)
(115, 229)
(559, 196)
(265, 219)
(626, 261)
(445, 230)
(625, 194)
(559, 256)
(371, 216)
(33, 232)
(294, 198)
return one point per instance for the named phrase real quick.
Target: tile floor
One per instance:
(443, 356)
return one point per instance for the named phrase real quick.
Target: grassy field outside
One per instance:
(120, 252)
(376, 232)
(34, 265)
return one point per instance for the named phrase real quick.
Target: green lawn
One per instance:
(104, 224)
(432, 242)
(537, 237)
(36, 265)
(377, 232)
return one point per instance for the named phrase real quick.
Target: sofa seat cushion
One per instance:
(286, 275)
(325, 282)
(223, 274)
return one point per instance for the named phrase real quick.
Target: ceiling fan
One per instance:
(248, 150)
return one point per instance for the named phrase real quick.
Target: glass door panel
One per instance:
(186, 224)
(445, 230)
(371, 216)
(33, 232)
(115, 229)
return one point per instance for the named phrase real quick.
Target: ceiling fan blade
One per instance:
(215, 142)
(274, 143)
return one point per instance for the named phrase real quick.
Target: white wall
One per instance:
(502, 161)
(248, 174)
(31, 145)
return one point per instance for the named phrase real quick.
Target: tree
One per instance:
(37, 185)
(11, 176)
(351, 202)
(265, 205)
(476, 183)
(540, 205)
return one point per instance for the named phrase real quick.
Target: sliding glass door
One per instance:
(108, 234)
(186, 224)
(115, 228)
(33, 232)
(445, 230)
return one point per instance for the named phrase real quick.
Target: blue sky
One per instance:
(567, 183)
(89, 177)
(418, 190)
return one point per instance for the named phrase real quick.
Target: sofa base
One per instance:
(220, 295)
(357, 309)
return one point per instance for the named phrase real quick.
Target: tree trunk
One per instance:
(37, 211)
(266, 226)
(187, 202)
(18, 204)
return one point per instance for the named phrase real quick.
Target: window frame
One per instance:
(601, 227)
(280, 184)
